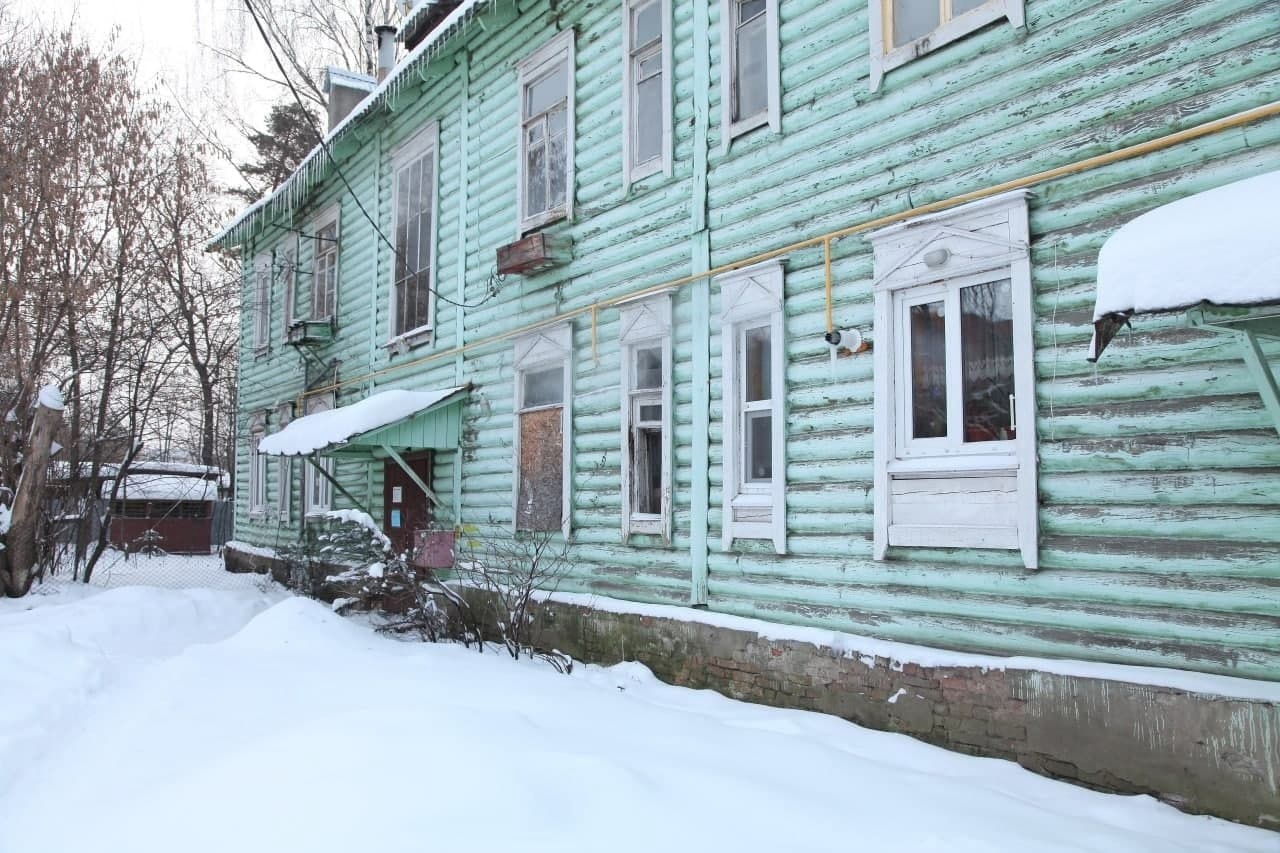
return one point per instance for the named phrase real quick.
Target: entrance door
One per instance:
(405, 508)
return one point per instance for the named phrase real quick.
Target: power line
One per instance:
(334, 162)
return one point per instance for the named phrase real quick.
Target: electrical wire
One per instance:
(257, 22)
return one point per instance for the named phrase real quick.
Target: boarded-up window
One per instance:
(541, 503)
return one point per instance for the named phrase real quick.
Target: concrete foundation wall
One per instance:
(1200, 753)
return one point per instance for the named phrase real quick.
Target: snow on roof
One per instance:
(298, 185)
(414, 16)
(325, 429)
(350, 79)
(163, 487)
(1220, 246)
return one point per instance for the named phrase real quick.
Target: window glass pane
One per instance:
(546, 91)
(913, 19)
(986, 354)
(648, 368)
(651, 413)
(557, 157)
(748, 9)
(647, 472)
(928, 370)
(646, 23)
(758, 378)
(959, 7)
(648, 120)
(759, 447)
(544, 387)
(751, 89)
(535, 176)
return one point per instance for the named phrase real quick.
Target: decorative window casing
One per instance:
(287, 264)
(284, 469)
(543, 421)
(317, 490)
(646, 417)
(262, 303)
(646, 89)
(750, 74)
(414, 170)
(324, 265)
(754, 357)
(257, 467)
(902, 30)
(955, 430)
(546, 133)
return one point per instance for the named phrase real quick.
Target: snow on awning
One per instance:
(345, 425)
(162, 487)
(1221, 246)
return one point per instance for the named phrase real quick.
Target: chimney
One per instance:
(345, 90)
(386, 41)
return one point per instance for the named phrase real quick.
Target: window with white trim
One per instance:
(954, 402)
(257, 467)
(288, 265)
(646, 89)
(646, 417)
(750, 92)
(546, 133)
(262, 303)
(902, 30)
(324, 266)
(284, 469)
(413, 270)
(317, 489)
(543, 395)
(754, 359)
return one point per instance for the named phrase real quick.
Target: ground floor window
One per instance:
(542, 396)
(317, 488)
(646, 417)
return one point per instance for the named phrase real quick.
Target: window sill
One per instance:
(647, 525)
(261, 352)
(746, 125)
(953, 30)
(533, 223)
(974, 464)
(401, 344)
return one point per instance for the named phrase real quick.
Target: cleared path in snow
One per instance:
(167, 720)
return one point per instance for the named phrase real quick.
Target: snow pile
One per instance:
(303, 731)
(1220, 246)
(325, 429)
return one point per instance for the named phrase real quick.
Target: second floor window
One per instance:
(903, 30)
(415, 183)
(546, 132)
(262, 303)
(749, 66)
(646, 89)
(324, 268)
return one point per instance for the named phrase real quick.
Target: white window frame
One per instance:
(558, 49)
(257, 468)
(632, 172)
(284, 469)
(317, 491)
(540, 350)
(750, 298)
(885, 57)
(261, 332)
(645, 325)
(772, 116)
(289, 270)
(424, 144)
(925, 259)
(320, 250)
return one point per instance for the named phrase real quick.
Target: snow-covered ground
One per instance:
(172, 571)
(139, 719)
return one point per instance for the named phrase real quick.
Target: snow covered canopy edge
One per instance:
(329, 429)
(1220, 246)
(316, 165)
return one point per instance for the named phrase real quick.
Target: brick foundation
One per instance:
(1200, 753)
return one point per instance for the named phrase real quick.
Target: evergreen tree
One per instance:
(289, 137)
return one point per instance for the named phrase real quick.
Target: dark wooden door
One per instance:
(405, 507)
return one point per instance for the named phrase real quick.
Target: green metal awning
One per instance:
(405, 421)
